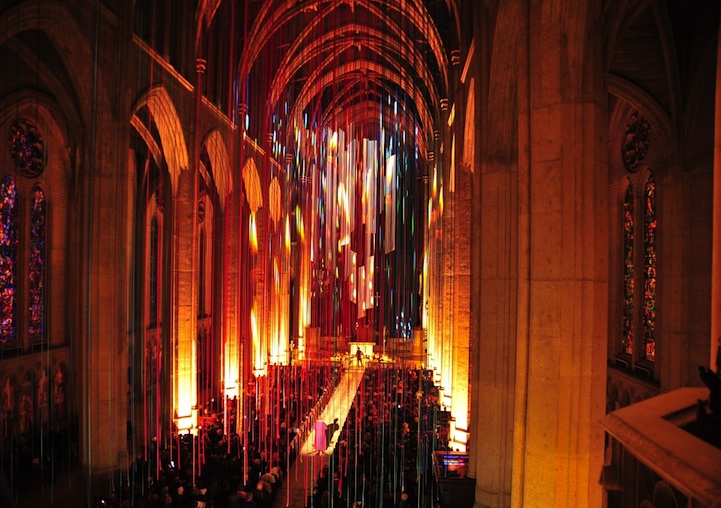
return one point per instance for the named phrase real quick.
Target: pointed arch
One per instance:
(43, 111)
(172, 138)
(219, 165)
(253, 189)
(637, 98)
(275, 201)
(56, 21)
(469, 131)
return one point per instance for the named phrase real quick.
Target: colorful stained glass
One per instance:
(36, 272)
(153, 273)
(628, 272)
(201, 274)
(8, 259)
(636, 141)
(649, 296)
(27, 148)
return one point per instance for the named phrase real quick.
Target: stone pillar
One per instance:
(456, 274)
(446, 163)
(103, 256)
(461, 299)
(495, 255)
(434, 258)
(229, 292)
(104, 351)
(184, 329)
(495, 288)
(716, 249)
(539, 283)
(567, 305)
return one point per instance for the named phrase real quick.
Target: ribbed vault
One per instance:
(326, 58)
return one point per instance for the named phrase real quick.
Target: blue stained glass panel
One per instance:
(628, 272)
(8, 260)
(649, 296)
(36, 272)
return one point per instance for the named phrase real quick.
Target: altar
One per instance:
(365, 347)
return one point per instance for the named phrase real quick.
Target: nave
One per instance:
(523, 196)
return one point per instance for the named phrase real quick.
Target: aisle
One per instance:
(304, 471)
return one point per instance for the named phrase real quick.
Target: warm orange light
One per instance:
(188, 423)
(258, 346)
(276, 276)
(434, 188)
(279, 315)
(305, 250)
(185, 382)
(299, 224)
(252, 234)
(230, 362)
(231, 387)
(287, 236)
(425, 292)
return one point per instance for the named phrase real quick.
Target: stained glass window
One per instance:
(649, 295)
(8, 259)
(628, 284)
(153, 273)
(27, 148)
(36, 272)
(636, 141)
(201, 275)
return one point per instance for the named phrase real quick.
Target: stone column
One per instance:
(495, 249)
(229, 291)
(461, 298)
(716, 249)
(567, 305)
(104, 251)
(446, 163)
(539, 283)
(184, 329)
(104, 351)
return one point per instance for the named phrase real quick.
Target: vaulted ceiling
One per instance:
(368, 63)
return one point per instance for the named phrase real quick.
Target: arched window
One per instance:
(649, 277)
(153, 273)
(8, 260)
(201, 274)
(628, 271)
(37, 264)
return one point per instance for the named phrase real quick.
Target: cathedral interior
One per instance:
(352, 253)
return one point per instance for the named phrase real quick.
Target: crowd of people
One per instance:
(382, 455)
(208, 470)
